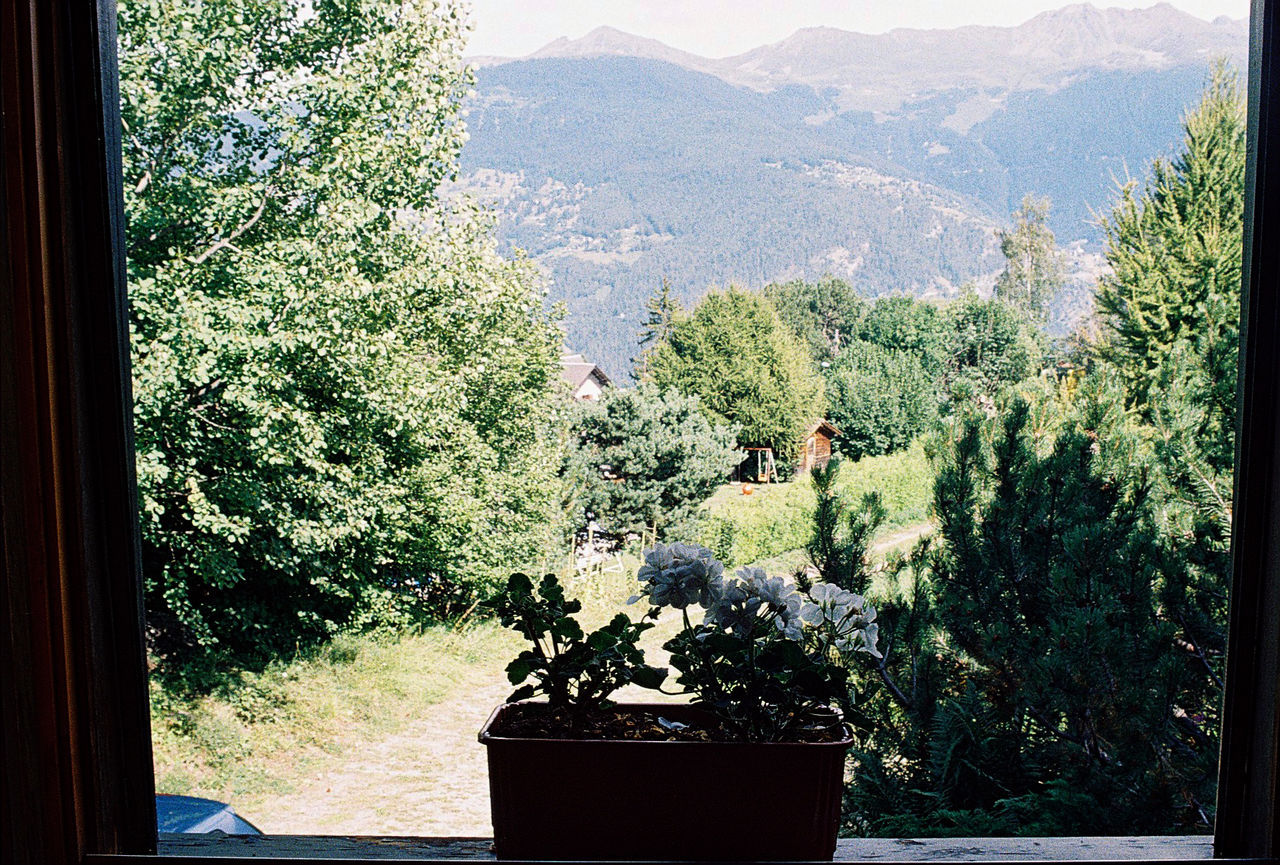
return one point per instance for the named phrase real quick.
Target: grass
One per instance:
(274, 731)
(286, 722)
(776, 519)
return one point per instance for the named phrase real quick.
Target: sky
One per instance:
(719, 28)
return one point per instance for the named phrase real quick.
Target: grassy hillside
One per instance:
(777, 518)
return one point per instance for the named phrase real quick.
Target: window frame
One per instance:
(78, 784)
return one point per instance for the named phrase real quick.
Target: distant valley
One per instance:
(889, 161)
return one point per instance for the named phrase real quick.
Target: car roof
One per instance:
(193, 814)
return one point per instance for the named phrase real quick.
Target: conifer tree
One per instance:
(1170, 312)
(642, 458)
(662, 311)
(1175, 249)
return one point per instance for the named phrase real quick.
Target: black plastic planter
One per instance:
(627, 799)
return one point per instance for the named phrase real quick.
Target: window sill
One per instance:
(317, 847)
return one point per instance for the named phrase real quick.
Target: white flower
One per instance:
(791, 627)
(846, 619)
(735, 610)
(681, 574)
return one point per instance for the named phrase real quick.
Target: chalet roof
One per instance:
(577, 372)
(826, 427)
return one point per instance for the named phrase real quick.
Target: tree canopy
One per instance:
(825, 314)
(746, 367)
(880, 398)
(342, 391)
(990, 345)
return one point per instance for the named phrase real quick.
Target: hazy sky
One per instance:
(718, 28)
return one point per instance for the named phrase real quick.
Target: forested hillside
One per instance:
(616, 161)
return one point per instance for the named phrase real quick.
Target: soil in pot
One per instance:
(657, 724)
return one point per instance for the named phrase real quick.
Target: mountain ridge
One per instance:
(876, 72)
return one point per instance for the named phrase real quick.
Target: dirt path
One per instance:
(429, 779)
(901, 540)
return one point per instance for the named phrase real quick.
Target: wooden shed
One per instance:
(815, 449)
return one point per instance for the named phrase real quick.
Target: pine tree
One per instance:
(1170, 312)
(1052, 588)
(642, 458)
(662, 311)
(841, 543)
(1175, 251)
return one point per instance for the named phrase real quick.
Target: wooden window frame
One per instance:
(77, 782)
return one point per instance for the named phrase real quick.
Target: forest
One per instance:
(350, 419)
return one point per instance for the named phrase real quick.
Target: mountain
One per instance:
(891, 161)
(880, 72)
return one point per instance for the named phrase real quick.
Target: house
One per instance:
(815, 447)
(586, 380)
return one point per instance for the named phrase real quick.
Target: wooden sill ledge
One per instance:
(217, 846)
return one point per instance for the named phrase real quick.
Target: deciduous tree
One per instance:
(342, 392)
(1035, 270)
(746, 367)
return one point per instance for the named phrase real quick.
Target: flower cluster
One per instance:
(685, 575)
(681, 575)
(767, 659)
(844, 620)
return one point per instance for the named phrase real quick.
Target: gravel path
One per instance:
(430, 779)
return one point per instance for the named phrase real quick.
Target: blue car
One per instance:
(192, 814)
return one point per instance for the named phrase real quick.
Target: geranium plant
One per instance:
(768, 660)
(767, 665)
(577, 672)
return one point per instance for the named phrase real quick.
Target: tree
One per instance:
(1175, 254)
(840, 547)
(746, 367)
(880, 399)
(343, 394)
(644, 458)
(825, 314)
(1050, 585)
(1035, 271)
(662, 311)
(910, 325)
(1063, 698)
(1170, 314)
(990, 346)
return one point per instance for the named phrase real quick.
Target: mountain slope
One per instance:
(616, 161)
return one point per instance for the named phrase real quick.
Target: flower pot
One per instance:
(638, 799)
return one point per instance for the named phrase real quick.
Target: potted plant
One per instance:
(762, 742)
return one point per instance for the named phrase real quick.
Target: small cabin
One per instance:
(815, 449)
(586, 380)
